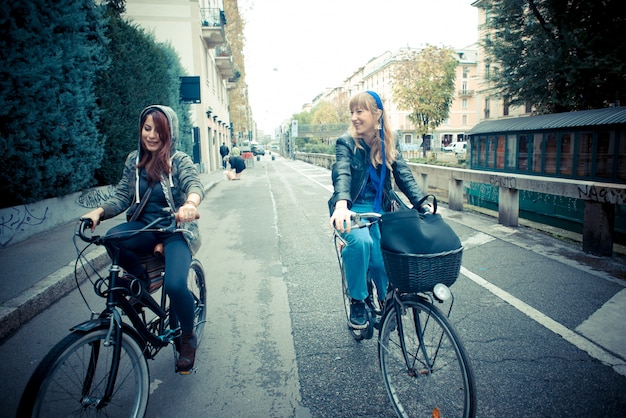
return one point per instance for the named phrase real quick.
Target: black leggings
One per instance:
(178, 260)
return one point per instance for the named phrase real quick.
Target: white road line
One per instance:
(300, 171)
(607, 325)
(572, 337)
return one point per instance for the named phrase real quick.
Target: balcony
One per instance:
(224, 61)
(213, 21)
(231, 83)
(465, 92)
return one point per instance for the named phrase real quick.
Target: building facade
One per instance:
(377, 75)
(196, 31)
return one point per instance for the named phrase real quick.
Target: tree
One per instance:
(424, 86)
(324, 113)
(129, 85)
(50, 53)
(556, 55)
(239, 106)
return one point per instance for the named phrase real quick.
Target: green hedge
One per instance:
(74, 77)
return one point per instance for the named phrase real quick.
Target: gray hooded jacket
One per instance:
(182, 181)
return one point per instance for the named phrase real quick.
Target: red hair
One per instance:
(159, 162)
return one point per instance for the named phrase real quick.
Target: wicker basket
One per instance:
(413, 273)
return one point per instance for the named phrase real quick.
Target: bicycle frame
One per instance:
(115, 294)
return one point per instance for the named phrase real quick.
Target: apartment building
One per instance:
(196, 31)
(377, 75)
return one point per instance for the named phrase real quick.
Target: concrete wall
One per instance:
(18, 223)
(600, 198)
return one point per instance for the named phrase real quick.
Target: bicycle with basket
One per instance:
(423, 362)
(101, 367)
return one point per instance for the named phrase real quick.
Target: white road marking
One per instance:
(572, 337)
(607, 325)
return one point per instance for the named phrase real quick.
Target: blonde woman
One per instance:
(366, 158)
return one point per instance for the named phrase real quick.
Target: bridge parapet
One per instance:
(600, 198)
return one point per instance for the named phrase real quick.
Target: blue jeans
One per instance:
(362, 254)
(178, 260)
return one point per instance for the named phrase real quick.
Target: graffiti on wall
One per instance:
(602, 194)
(502, 181)
(17, 219)
(19, 222)
(92, 198)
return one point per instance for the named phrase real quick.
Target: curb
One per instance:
(19, 310)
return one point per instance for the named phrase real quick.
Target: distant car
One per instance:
(456, 147)
(258, 150)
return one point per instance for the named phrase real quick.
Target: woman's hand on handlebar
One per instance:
(341, 219)
(95, 216)
(187, 213)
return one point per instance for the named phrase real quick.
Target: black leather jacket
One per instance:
(349, 175)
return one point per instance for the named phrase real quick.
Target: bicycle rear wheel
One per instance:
(72, 377)
(427, 371)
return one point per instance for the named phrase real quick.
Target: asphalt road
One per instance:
(542, 321)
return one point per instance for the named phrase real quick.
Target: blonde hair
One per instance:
(367, 102)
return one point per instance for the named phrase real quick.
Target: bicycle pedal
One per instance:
(193, 370)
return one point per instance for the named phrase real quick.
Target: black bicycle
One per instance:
(100, 368)
(426, 370)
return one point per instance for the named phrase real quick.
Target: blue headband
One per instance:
(379, 102)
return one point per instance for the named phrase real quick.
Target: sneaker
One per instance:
(187, 356)
(358, 314)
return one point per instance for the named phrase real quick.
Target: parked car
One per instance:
(258, 150)
(456, 147)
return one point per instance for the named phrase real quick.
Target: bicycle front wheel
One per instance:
(197, 286)
(426, 370)
(72, 377)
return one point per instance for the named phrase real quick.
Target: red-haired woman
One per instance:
(172, 180)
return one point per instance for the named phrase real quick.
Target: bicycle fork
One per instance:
(401, 310)
(113, 339)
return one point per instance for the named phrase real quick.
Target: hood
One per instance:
(173, 122)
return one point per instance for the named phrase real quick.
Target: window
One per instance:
(491, 155)
(585, 146)
(550, 154)
(464, 120)
(500, 151)
(408, 139)
(604, 161)
(487, 108)
(511, 150)
(482, 152)
(505, 107)
(566, 159)
(525, 143)
(464, 104)
(537, 152)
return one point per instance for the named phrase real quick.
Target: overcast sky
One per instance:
(294, 49)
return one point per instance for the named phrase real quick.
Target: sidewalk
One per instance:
(39, 271)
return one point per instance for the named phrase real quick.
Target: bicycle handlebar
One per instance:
(87, 223)
(362, 220)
